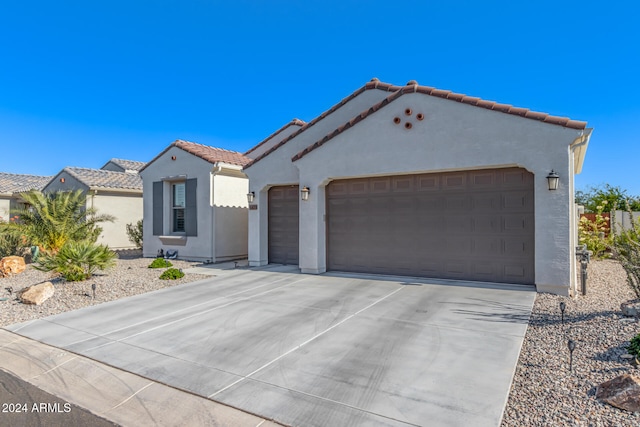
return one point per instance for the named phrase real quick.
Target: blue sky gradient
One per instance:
(82, 82)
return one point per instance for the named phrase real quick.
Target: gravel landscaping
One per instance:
(131, 276)
(544, 392)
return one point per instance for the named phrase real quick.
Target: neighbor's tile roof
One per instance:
(99, 178)
(294, 122)
(207, 153)
(131, 165)
(17, 183)
(413, 87)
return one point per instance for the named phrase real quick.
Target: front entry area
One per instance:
(284, 215)
(470, 225)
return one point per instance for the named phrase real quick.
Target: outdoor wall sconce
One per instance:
(251, 196)
(553, 179)
(304, 193)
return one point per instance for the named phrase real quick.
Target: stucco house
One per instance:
(195, 203)
(11, 185)
(122, 165)
(412, 180)
(110, 192)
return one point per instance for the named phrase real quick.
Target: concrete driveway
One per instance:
(336, 349)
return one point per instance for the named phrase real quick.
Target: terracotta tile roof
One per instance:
(413, 87)
(17, 183)
(99, 178)
(205, 152)
(294, 122)
(127, 165)
(373, 84)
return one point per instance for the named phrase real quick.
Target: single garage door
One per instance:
(283, 224)
(471, 225)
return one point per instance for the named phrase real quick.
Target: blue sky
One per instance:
(84, 81)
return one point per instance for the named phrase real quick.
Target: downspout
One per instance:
(212, 203)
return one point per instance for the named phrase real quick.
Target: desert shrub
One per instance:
(134, 232)
(11, 240)
(594, 233)
(160, 263)
(77, 261)
(626, 249)
(172, 274)
(634, 346)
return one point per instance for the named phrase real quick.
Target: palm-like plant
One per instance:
(77, 261)
(53, 219)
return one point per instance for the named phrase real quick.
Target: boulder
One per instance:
(37, 294)
(631, 308)
(10, 265)
(622, 392)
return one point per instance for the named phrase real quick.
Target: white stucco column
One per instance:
(258, 229)
(312, 230)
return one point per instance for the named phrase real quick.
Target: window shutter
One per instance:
(157, 208)
(191, 211)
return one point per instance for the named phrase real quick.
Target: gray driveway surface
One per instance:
(329, 350)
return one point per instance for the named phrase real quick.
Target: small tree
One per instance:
(53, 219)
(134, 232)
(626, 249)
(615, 198)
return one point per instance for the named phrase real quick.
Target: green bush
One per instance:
(172, 274)
(134, 232)
(77, 261)
(592, 233)
(11, 240)
(160, 263)
(634, 346)
(626, 249)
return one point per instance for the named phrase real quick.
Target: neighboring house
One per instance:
(195, 203)
(112, 193)
(120, 165)
(11, 185)
(416, 181)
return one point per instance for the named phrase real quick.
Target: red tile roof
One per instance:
(413, 87)
(294, 122)
(207, 153)
(373, 84)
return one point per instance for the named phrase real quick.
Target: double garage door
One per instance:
(472, 225)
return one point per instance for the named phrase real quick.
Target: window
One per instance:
(178, 204)
(175, 207)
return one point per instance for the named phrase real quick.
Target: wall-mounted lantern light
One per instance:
(553, 179)
(304, 193)
(251, 196)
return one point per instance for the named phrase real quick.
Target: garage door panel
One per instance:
(283, 231)
(474, 225)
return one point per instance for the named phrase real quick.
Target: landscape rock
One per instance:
(622, 392)
(37, 294)
(11, 265)
(631, 308)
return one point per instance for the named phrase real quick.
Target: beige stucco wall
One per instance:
(230, 189)
(125, 208)
(453, 136)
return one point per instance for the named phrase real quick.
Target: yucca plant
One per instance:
(53, 219)
(77, 261)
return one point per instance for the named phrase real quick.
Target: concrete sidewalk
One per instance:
(115, 395)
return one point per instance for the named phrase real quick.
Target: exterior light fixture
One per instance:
(553, 179)
(304, 194)
(251, 196)
(572, 346)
